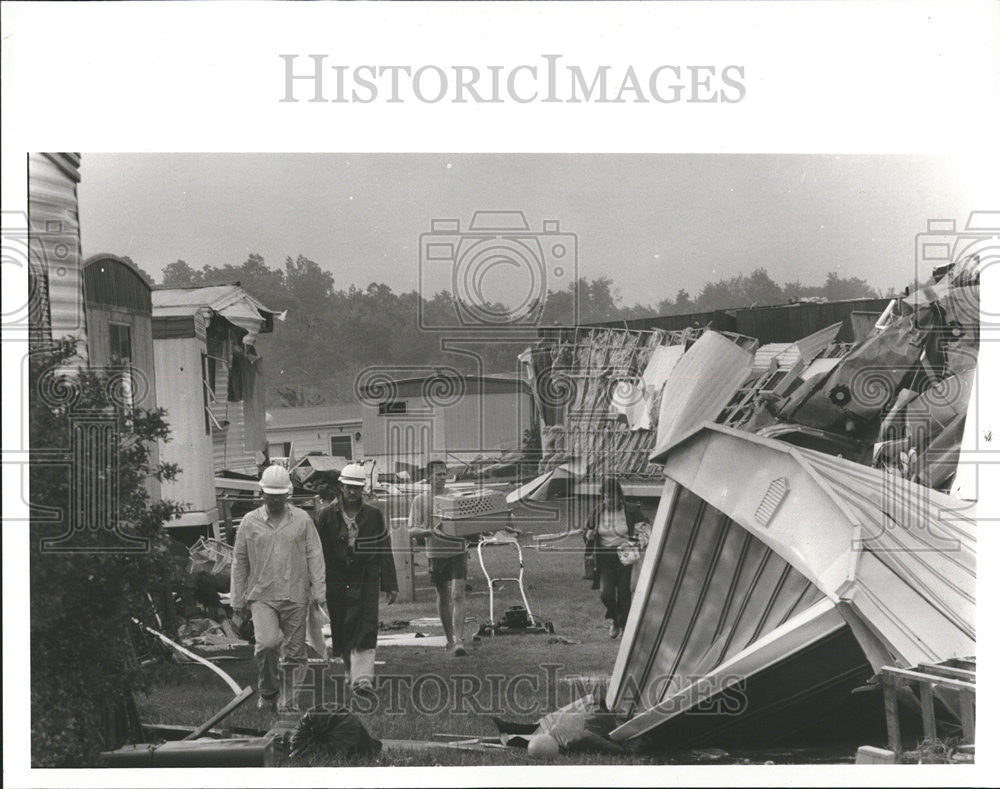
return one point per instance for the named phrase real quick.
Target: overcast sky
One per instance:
(653, 223)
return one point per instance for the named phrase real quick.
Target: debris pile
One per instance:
(815, 522)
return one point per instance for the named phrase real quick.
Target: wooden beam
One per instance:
(947, 671)
(927, 710)
(891, 713)
(967, 702)
(245, 694)
(915, 676)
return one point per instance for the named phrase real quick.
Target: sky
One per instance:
(653, 223)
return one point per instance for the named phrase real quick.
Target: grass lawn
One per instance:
(423, 691)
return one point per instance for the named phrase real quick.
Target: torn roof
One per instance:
(230, 301)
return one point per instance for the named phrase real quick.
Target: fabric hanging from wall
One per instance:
(237, 374)
(254, 437)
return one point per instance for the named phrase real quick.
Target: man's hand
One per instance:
(390, 597)
(239, 617)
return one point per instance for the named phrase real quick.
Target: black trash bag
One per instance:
(332, 731)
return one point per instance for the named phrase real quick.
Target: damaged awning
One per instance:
(713, 608)
(899, 559)
(230, 302)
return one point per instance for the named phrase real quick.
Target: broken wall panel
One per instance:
(700, 385)
(902, 556)
(717, 618)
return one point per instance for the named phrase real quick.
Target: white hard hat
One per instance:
(353, 474)
(275, 479)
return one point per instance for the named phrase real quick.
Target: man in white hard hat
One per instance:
(357, 548)
(278, 572)
(447, 559)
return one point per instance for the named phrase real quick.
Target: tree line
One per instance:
(332, 334)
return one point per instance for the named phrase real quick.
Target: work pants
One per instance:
(278, 625)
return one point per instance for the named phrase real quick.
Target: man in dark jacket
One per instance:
(359, 564)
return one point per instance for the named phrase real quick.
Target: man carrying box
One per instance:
(446, 558)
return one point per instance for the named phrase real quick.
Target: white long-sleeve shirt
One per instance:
(277, 559)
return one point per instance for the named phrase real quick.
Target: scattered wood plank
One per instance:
(231, 707)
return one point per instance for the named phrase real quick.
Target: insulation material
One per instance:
(702, 383)
(775, 356)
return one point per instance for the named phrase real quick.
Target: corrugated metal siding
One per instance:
(229, 451)
(233, 448)
(54, 243)
(219, 409)
(714, 590)
(781, 323)
(110, 280)
(790, 323)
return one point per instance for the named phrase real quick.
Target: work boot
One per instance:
(614, 631)
(364, 690)
(459, 650)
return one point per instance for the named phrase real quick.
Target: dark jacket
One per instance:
(633, 515)
(355, 576)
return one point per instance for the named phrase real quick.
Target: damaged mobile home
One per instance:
(209, 377)
(815, 525)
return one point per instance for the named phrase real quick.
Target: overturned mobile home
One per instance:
(815, 523)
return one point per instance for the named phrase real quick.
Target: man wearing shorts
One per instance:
(446, 558)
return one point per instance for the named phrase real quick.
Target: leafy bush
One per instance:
(89, 580)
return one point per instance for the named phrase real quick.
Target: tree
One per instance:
(836, 289)
(683, 303)
(296, 396)
(180, 274)
(82, 602)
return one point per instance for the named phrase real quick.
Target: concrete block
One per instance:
(869, 754)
